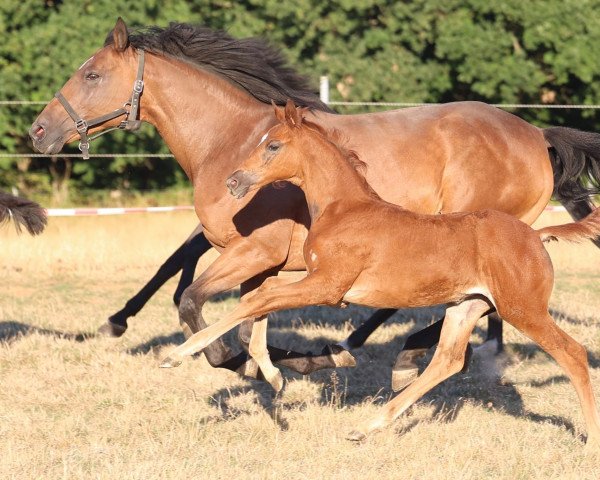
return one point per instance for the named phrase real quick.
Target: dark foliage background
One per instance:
(514, 51)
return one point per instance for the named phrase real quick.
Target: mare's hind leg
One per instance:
(448, 359)
(570, 355)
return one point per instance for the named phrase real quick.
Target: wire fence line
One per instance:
(499, 105)
(324, 96)
(385, 104)
(92, 155)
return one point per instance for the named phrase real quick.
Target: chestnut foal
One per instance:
(364, 250)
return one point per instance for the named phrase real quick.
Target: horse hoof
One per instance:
(403, 378)
(170, 363)
(113, 330)
(339, 356)
(356, 436)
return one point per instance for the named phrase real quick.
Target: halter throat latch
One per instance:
(129, 108)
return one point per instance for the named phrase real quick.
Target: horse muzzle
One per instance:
(44, 141)
(239, 183)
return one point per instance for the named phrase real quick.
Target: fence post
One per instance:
(324, 89)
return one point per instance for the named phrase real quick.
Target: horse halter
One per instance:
(130, 123)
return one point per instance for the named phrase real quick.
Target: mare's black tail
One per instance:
(575, 158)
(23, 212)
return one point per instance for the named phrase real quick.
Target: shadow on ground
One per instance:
(11, 331)
(370, 380)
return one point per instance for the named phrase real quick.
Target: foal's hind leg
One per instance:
(570, 355)
(448, 359)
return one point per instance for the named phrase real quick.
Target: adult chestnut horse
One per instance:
(364, 250)
(23, 212)
(209, 95)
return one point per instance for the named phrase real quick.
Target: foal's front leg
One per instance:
(315, 289)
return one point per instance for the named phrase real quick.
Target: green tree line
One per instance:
(510, 51)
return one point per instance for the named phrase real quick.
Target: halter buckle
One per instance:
(83, 146)
(81, 125)
(138, 86)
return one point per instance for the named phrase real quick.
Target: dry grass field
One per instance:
(73, 405)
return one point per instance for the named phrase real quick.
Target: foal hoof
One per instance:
(110, 329)
(170, 363)
(403, 377)
(356, 436)
(339, 356)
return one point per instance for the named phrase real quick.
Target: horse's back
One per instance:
(462, 156)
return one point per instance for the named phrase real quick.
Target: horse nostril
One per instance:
(38, 132)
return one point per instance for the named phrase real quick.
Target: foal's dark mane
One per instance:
(249, 63)
(336, 138)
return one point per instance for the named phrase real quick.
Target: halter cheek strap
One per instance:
(131, 123)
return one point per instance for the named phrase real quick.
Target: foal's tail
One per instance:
(23, 212)
(588, 228)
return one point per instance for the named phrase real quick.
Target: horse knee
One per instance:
(187, 303)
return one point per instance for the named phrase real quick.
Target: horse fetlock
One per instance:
(277, 381)
(110, 329)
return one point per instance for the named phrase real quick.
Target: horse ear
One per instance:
(120, 36)
(292, 114)
(278, 112)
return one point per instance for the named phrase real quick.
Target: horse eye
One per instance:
(92, 76)
(273, 146)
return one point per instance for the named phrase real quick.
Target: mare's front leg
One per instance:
(185, 257)
(315, 289)
(241, 261)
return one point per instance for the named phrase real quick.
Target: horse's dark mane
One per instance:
(249, 63)
(336, 138)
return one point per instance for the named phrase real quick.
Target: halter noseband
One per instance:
(130, 123)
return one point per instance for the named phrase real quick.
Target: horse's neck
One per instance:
(328, 177)
(205, 121)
